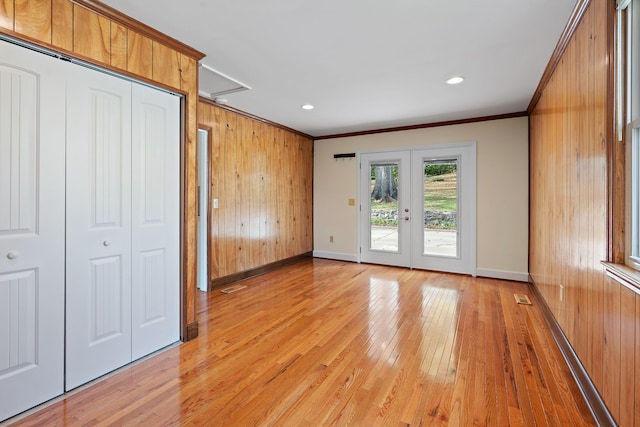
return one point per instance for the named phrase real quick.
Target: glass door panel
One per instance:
(384, 210)
(440, 209)
(383, 207)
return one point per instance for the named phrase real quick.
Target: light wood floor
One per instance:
(331, 343)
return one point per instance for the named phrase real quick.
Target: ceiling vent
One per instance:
(212, 83)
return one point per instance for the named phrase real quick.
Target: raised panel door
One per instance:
(155, 220)
(98, 218)
(32, 184)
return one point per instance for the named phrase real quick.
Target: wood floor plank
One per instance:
(325, 342)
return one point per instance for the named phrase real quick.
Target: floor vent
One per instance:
(232, 289)
(522, 299)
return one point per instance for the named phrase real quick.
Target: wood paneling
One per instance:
(33, 19)
(139, 54)
(166, 65)
(7, 14)
(325, 342)
(96, 33)
(91, 35)
(62, 24)
(262, 178)
(571, 151)
(119, 46)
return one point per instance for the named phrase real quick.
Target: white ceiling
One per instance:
(367, 64)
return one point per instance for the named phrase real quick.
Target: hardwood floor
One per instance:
(333, 343)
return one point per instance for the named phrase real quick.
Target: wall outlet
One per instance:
(330, 239)
(215, 203)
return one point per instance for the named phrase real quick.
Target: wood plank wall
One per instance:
(570, 138)
(262, 176)
(90, 31)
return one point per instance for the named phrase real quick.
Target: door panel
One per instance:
(445, 237)
(402, 230)
(156, 220)
(98, 244)
(32, 88)
(384, 214)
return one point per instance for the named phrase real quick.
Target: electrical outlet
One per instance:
(330, 239)
(215, 203)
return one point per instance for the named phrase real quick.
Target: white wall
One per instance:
(502, 191)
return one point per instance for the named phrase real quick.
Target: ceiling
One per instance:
(367, 64)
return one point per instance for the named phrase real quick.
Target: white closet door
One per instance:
(155, 220)
(31, 229)
(98, 246)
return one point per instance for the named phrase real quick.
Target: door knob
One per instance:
(12, 255)
(406, 218)
(106, 243)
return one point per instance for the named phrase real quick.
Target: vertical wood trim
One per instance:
(189, 84)
(62, 24)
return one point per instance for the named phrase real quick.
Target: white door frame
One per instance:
(467, 153)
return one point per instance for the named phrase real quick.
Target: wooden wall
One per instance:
(262, 176)
(571, 137)
(93, 32)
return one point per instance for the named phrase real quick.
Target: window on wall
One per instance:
(628, 118)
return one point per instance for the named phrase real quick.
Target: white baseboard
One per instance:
(336, 256)
(502, 274)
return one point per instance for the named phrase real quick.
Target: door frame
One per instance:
(209, 131)
(469, 149)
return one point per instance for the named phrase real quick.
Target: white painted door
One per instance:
(98, 259)
(385, 223)
(32, 133)
(400, 231)
(444, 206)
(155, 220)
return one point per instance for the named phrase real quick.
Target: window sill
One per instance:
(625, 275)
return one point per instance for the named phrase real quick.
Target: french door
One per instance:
(418, 208)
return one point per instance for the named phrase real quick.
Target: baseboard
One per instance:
(588, 390)
(335, 255)
(192, 331)
(223, 281)
(503, 274)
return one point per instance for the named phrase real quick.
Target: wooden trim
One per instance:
(616, 168)
(556, 56)
(209, 131)
(625, 275)
(222, 281)
(588, 390)
(254, 117)
(133, 24)
(84, 61)
(192, 331)
(427, 125)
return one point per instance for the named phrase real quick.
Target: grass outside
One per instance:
(440, 195)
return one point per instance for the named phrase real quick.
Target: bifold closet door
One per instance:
(32, 91)
(155, 220)
(98, 199)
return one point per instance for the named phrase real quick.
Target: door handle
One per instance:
(106, 243)
(12, 255)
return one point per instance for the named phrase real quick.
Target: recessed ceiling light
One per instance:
(307, 107)
(455, 80)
